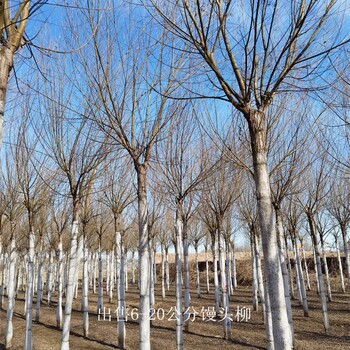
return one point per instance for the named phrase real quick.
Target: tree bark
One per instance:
(319, 272)
(144, 272)
(72, 265)
(178, 279)
(10, 294)
(281, 330)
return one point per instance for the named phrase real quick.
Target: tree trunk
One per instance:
(111, 278)
(6, 64)
(72, 266)
(49, 284)
(207, 268)
(305, 267)
(60, 284)
(254, 274)
(133, 267)
(260, 279)
(290, 272)
(178, 279)
(144, 318)
(198, 284)
(100, 278)
(30, 290)
(186, 279)
(340, 265)
(233, 267)
(39, 281)
(346, 251)
(280, 240)
(121, 300)
(163, 271)
(319, 272)
(224, 285)
(272, 266)
(10, 294)
(167, 272)
(85, 289)
(301, 282)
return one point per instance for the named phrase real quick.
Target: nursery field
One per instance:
(248, 330)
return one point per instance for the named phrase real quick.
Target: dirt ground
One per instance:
(203, 333)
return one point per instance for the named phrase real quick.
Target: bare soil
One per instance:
(203, 334)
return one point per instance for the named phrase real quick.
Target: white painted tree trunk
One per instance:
(167, 272)
(144, 272)
(319, 273)
(49, 284)
(301, 282)
(290, 272)
(347, 252)
(281, 240)
(121, 301)
(306, 268)
(186, 281)
(297, 283)
(233, 267)
(72, 266)
(133, 267)
(126, 270)
(151, 276)
(216, 278)
(39, 286)
(198, 283)
(316, 273)
(268, 317)
(100, 280)
(85, 289)
(163, 271)
(60, 284)
(207, 268)
(94, 285)
(30, 290)
(224, 285)
(260, 280)
(254, 275)
(111, 279)
(10, 294)
(107, 271)
(118, 254)
(328, 282)
(178, 280)
(342, 283)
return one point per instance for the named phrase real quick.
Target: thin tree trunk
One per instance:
(167, 272)
(347, 252)
(133, 267)
(72, 266)
(328, 283)
(30, 290)
(305, 267)
(39, 282)
(186, 279)
(60, 284)
(319, 272)
(111, 278)
(342, 283)
(207, 268)
(163, 271)
(216, 278)
(10, 294)
(260, 279)
(254, 274)
(144, 319)
(121, 301)
(198, 284)
(233, 267)
(178, 279)
(290, 272)
(85, 289)
(224, 285)
(100, 278)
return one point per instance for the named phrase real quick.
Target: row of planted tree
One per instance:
(158, 103)
(87, 245)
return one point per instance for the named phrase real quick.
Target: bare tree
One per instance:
(265, 58)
